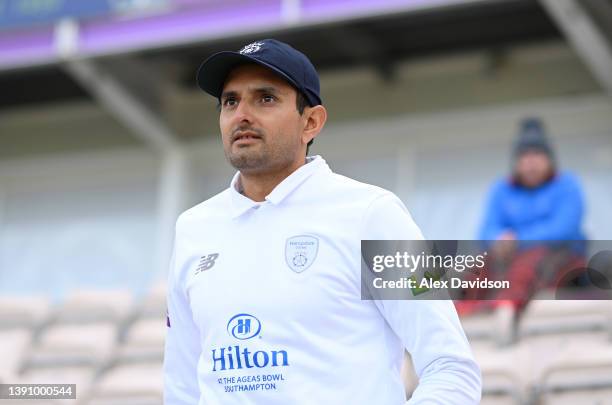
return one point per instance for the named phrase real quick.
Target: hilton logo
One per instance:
(244, 327)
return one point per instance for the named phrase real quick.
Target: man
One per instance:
(533, 219)
(536, 202)
(264, 287)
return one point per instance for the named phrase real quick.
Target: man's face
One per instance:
(533, 168)
(260, 125)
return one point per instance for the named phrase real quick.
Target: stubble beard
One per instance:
(260, 159)
(248, 161)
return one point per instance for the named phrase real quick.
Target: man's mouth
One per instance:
(245, 137)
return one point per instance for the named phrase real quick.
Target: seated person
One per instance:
(532, 225)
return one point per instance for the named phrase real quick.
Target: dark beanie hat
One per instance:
(532, 137)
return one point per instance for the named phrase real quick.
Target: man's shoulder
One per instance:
(504, 187)
(568, 179)
(349, 196)
(503, 183)
(376, 213)
(214, 206)
(350, 188)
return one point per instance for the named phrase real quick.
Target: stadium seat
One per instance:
(582, 369)
(497, 325)
(585, 397)
(73, 344)
(554, 317)
(144, 340)
(94, 306)
(39, 402)
(81, 376)
(147, 332)
(13, 345)
(544, 351)
(501, 399)
(153, 305)
(127, 400)
(22, 311)
(503, 372)
(134, 384)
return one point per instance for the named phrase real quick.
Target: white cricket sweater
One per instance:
(265, 305)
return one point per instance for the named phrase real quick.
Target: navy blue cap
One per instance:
(289, 63)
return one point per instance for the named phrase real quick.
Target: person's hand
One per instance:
(505, 245)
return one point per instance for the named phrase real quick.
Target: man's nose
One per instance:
(244, 112)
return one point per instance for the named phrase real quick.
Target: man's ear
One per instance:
(314, 120)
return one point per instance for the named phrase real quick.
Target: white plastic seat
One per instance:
(503, 372)
(478, 326)
(13, 346)
(147, 332)
(81, 376)
(95, 306)
(153, 304)
(584, 397)
(74, 344)
(127, 400)
(23, 311)
(544, 351)
(129, 384)
(553, 317)
(497, 325)
(144, 341)
(501, 399)
(582, 366)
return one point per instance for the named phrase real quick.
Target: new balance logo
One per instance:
(206, 262)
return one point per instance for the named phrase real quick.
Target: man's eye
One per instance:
(267, 98)
(229, 102)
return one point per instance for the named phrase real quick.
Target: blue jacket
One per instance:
(553, 211)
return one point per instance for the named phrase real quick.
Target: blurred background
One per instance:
(105, 139)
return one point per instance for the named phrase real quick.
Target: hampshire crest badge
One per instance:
(301, 251)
